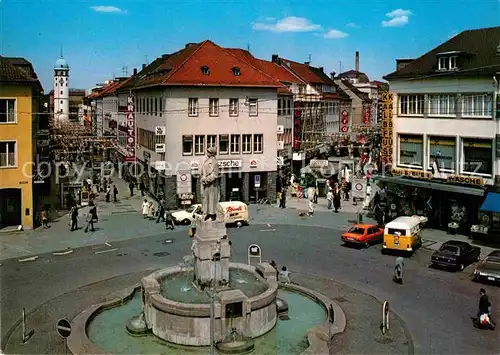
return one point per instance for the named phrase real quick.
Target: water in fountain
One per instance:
(240, 279)
(186, 265)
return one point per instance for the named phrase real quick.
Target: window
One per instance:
(246, 146)
(223, 144)
(235, 144)
(193, 107)
(442, 105)
(253, 109)
(477, 105)
(280, 104)
(411, 150)
(61, 92)
(156, 106)
(211, 141)
(442, 152)
(187, 145)
(233, 107)
(199, 145)
(161, 105)
(61, 103)
(214, 107)
(7, 111)
(147, 106)
(236, 71)
(143, 106)
(258, 143)
(477, 156)
(447, 63)
(205, 70)
(453, 62)
(411, 104)
(7, 154)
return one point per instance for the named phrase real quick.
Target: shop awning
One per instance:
(430, 185)
(491, 203)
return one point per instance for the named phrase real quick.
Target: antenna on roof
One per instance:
(310, 56)
(125, 71)
(146, 59)
(248, 47)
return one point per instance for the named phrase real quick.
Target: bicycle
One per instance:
(264, 201)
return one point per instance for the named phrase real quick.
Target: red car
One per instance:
(365, 234)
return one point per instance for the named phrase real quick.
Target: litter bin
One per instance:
(359, 218)
(452, 228)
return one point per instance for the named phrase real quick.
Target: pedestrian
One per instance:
(161, 211)
(142, 187)
(336, 202)
(93, 210)
(74, 218)
(151, 210)
(273, 264)
(108, 193)
(90, 222)
(131, 188)
(145, 208)
(279, 198)
(484, 303)
(284, 275)
(44, 218)
(398, 271)
(169, 220)
(283, 199)
(115, 193)
(315, 198)
(311, 208)
(329, 199)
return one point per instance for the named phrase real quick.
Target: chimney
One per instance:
(401, 63)
(357, 61)
(276, 59)
(143, 66)
(322, 69)
(135, 72)
(307, 63)
(332, 75)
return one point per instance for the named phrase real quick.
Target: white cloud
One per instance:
(335, 34)
(397, 17)
(108, 9)
(287, 24)
(353, 25)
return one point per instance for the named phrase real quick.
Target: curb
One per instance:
(32, 258)
(59, 253)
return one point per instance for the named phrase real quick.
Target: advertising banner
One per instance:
(297, 126)
(130, 130)
(387, 128)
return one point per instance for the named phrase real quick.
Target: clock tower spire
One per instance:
(61, 89)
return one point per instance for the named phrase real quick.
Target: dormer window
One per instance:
(236, 71)
(447, 63)
(205, 70)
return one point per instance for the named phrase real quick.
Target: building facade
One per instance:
(445, 151)
(20, 95)
(185, 102)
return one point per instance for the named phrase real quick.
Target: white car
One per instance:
(188, 215)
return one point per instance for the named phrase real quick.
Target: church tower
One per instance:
(61, 90)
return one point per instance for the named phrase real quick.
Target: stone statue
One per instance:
(210, 183)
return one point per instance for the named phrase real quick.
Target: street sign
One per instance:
(358, 188)
(63, 328)
(256, 180)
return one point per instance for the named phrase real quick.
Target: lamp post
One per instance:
(211, 293)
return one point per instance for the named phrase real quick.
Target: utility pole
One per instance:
(310, 56)
(340, 64)
(146, 59)
(125, 71)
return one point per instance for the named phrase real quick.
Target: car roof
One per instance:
(364, 225)
(403, 222)
(495, 253)
(456, 243)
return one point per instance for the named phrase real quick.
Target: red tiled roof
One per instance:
(184, 68)
(304, 72)
(108, 89)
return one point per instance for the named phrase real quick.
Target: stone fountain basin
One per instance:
(189, 323)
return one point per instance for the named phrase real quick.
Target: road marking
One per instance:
(267, 230)
(59, 253)
(33, 258)
(108, 244)
(105, 251)
(269, 225)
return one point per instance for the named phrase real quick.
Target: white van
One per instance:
(234, 212)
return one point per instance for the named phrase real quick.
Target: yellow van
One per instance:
(403, 234)
(235, 212)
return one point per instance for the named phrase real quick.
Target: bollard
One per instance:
(26, 335)
(385, 317)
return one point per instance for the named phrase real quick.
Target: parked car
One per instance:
(455, 254)
(365, 234)
(489, 268)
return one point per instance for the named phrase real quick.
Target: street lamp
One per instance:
(211, 293)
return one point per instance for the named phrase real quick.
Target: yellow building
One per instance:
(20, 94)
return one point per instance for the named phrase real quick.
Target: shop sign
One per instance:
(297, 126)
(280, 129)
(184, 182)
(160, 130)
(253, 163)
(280, 145)
(366, 114)
(344, 121)
(467, 180)
(232, 209)
(160, 165)
(186, 196)
(160, 148)
(194, 165)
(418, 174)
(387, 126)
(225, 164)
(318, 164)
(130, 130)
(281, 161)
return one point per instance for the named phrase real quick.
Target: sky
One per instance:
(99, 38)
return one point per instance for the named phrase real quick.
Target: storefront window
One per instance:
(477, 156)
(443, 149)
(411, 150)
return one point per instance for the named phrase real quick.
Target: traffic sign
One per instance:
(344, 113)
(358, 188)
(63, 328)
(256, 181)
(344, 129)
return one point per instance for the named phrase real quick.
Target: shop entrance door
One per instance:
(234, 186)
(10, 208)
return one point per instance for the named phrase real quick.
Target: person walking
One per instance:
(279, 198)
(145, 208)
(161, 211)
(74, 218)
(484, 303)
(108, 193)
(169, 220)
(131, 188)
(398, 271)
(142, 187)
(283, 199)
(44, 218)
(115, 193)
(151, 210)
(90, 222)
(336, 202)
(329, 199)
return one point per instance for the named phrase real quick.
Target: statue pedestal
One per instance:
(211, 251)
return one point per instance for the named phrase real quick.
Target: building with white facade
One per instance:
(446, 143)
(61, 90)
(202, 96)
